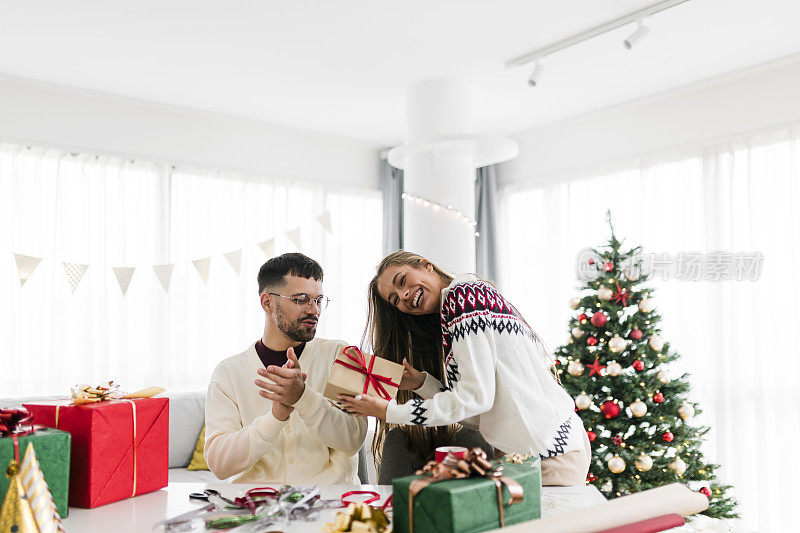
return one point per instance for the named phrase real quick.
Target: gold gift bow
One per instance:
(474, 463)
(109, 392)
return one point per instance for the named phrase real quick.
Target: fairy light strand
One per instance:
(437, 207)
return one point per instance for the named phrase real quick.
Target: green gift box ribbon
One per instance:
(52, 447)
(468, 495)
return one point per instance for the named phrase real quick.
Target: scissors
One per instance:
(212, 496)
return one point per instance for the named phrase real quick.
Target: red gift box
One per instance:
(120, 448)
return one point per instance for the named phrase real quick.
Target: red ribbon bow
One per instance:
(362, 368)
(11, 419)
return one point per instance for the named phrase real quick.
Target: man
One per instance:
(266, 418)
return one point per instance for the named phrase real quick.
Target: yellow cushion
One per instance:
(198, 459)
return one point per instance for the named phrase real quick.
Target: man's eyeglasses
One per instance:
(303, 301)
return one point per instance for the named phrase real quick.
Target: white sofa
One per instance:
(186, 419)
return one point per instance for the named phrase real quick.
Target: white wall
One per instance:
(89, 121)
(742, 102)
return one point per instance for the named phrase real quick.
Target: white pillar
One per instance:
(439, 159)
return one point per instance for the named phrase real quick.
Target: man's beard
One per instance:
(296, 331)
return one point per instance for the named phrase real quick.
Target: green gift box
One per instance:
(468, 505)
(52, 447)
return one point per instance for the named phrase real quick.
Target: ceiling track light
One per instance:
(641, 32)
(535, 56)
(536, 75)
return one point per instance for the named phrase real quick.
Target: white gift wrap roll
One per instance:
(674, 498)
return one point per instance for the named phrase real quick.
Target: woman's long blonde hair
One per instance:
(395, 335)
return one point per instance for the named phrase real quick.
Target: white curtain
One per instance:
(108, 212)
(739, 339)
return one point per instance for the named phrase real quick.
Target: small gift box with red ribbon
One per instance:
(355, 372)
(52, 449)
(120, 445)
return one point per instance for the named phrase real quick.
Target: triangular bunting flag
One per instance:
(41, 500)
(164, 275)
(325, 220)
(124, 275)
(74, 272)
(25, 267)
(268, 247)
(235, 260)
(294, 236)
(202, 266)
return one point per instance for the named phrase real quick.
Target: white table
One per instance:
(140, 514)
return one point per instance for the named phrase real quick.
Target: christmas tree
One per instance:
(615, 365)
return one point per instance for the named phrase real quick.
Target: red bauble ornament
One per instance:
(610, 409)
(668, 436)
(636, 334)
(599, 319)
(616, 439)
(591, 478)
(592, 435)
(591, 261)
(591, 341)
(638, 365)
(658, 397)
(582, 318)
(608, 267)
(705, 492)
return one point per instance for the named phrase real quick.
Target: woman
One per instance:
(491, 368)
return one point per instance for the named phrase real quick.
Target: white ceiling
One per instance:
(341, 66)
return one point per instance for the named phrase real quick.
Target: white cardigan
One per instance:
(497, 380)
(318, 444)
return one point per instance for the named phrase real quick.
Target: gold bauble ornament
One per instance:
(575, 368)
(574, 303)
(686, 411)
(678, 466)
(616, 464)
(646, 305)
(604, 294)
(607, 486)
(656, 343)
(632, 273)
(614, 369)
(663, 377)
(577, 332)
(638, 408)
(643, 463)
(617, 344)
(583, 401)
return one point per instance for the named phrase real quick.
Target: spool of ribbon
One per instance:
(372, 379)
(11, 422)
(475, 464)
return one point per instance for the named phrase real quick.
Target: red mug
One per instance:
(442, 451)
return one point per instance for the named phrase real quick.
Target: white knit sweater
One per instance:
(497, 381)
(318, 444)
